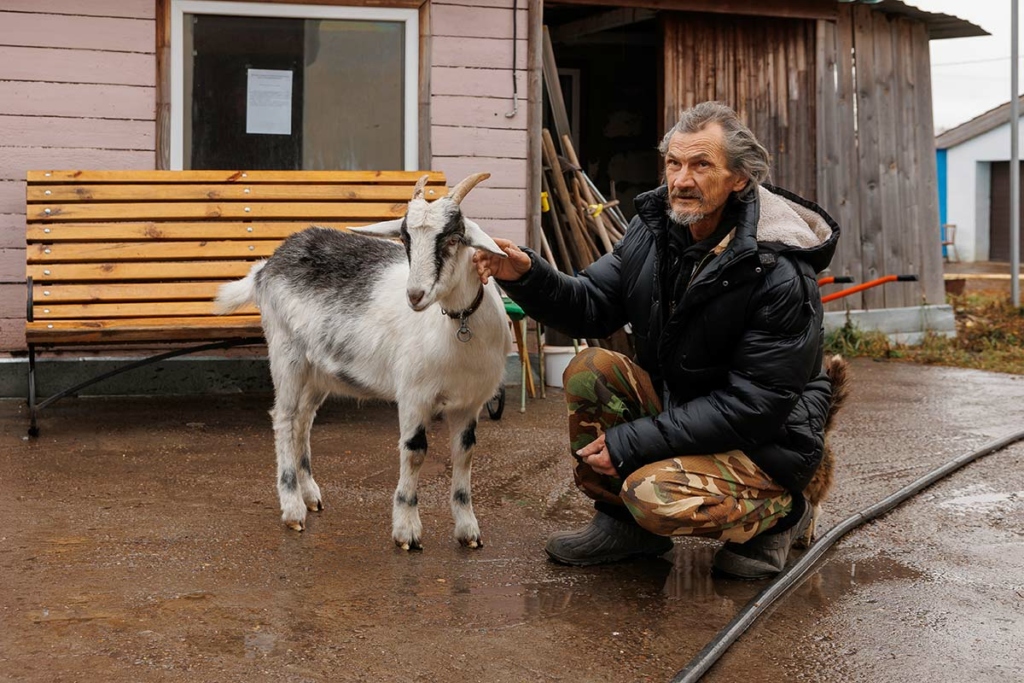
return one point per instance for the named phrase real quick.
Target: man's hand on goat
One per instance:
(491, 265)
(596, 455)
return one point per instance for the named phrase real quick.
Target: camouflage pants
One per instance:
(719, 495)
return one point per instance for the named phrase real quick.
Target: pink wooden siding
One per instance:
(471, 91)
(475, 22)
(32, 29)
(132, 9)
(76, 66)
(77, 90)
(480, 53)
(12, 201)
(481, 82)
(103, 134)
(450, 141)
(75, 100)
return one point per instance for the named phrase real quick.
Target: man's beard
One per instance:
(684, 220)
(678, 217)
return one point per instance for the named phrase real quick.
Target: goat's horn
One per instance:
(460, 191)
(417, 192)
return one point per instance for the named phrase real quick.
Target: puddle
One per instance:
(682, 577)
(982, 501)
(259, 644)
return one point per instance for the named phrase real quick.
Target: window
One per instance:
(282, 87)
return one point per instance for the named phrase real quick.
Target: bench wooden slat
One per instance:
(57, 293)
(248, 192)
(156, 272)
(78, 252)
(159, 232)
(137, 256)
(296, 177)
(149, 309)
(143, 329)
(322, 211)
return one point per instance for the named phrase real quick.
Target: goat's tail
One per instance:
(234, 295)
(836, 367)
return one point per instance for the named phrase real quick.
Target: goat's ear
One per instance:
(476, 237)
(391, 228)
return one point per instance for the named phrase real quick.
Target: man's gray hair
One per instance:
(744, 154)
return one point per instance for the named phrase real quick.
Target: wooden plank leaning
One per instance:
(596, 220)
(565, 199)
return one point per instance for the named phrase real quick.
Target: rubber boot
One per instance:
(764, 555)
(604, 540)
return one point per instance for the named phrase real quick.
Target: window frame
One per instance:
(410, 94)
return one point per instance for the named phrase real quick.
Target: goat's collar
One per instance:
(463, 334)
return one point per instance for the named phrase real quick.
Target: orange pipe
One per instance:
(834, 278)
(866, 285)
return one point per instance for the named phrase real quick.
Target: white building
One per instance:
(974, 181)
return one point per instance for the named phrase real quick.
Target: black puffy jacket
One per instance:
(738, 361)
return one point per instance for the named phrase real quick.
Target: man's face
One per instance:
(698, 177)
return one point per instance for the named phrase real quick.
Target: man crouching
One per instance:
(717, 425)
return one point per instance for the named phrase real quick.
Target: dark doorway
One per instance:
(999, 213)
(609, 66)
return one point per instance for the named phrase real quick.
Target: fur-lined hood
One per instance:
(774, 220)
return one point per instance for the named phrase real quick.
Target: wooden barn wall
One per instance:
(845, 109)
(764, 68)
(77, 84)
(876, 155)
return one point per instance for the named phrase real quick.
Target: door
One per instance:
(999, 213)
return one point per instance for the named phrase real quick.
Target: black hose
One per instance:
(706, 658)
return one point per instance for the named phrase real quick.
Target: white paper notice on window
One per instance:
(268, 108)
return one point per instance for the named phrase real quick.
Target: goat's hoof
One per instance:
(474, 543)
(316, 506)
(297, 525)
(410, 546)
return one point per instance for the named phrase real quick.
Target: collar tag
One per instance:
(464, 334)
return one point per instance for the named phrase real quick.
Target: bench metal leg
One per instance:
(524, 360)
(35, 408)
(540, 356)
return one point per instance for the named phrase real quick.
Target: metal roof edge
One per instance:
(979, 125)
(940, 26)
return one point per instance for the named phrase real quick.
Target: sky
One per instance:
(972, 75)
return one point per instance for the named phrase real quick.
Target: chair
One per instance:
(949, 253)
(518, 317)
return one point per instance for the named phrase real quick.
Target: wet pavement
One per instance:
(141, 542)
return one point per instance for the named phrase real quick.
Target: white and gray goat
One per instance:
(349, 314)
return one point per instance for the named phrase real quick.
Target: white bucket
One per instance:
(556, 358)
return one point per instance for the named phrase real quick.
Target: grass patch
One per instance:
(989, 336)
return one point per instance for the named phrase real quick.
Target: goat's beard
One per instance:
(688, 218)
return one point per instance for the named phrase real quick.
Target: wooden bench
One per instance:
(134, 258)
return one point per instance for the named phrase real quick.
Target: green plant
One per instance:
(990, 336)
(850, 340)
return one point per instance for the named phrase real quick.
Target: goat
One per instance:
(818, 488)
(346, 313)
